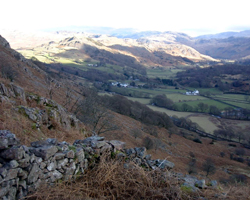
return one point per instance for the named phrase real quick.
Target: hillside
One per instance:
(37, 102)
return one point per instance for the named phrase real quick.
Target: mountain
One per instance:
(224, 35)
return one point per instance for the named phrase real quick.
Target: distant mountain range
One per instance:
(227, 45)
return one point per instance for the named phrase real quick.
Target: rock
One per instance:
(80, 155)
(213, 183)
(130, 152)
(7, 139)
(12, 173)
(70, 154)
(148, 157)
(23, 174)
(44, 152)
(163, 164)
(3, 172)
(200, 184)
(55, 175)
(118, 145)
(34, 173)
(13, 164)
(15, 153)
(59, 156)
(62, 163)
(99, 144)
(52, 141)
(24, 162)
(3, 191)
(52, 166)
(140, 152)
(19, 92)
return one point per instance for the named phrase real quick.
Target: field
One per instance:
(163, 73)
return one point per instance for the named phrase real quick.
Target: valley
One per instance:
(146, 89)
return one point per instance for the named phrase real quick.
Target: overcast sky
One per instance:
(194, 17)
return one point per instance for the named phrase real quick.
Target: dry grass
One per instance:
(109, 180)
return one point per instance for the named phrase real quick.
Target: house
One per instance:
(195, 92)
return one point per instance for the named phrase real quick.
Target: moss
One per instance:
(33, 126)
(187, 189)
(73, 148)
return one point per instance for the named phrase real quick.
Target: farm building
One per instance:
(195, 92)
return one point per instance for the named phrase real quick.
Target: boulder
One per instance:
(141, 152)
(164, 164)
(7, 139)
(44, 152)
(118, 145)
(200, 184)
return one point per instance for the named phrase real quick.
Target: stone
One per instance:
(164, 164)
(24, 162)
(3, 191)
(118, 145)
(70, 154)
(140, 152)
(12, 193)
(200, 184)
(130, 152)
(42, 165)
(14, 153)
(52, 141)
(12, 173)
(189, 187)
(44, 152)
(3, 172)
(7, 139)
(62, 163)
(80, 155)
(137, 161)
(52, 166)
(23, 174)
(55, 175)
(213, 183)
(70, 170)
(99, 144)
(34, 173)
(13, 164)
(148, 157)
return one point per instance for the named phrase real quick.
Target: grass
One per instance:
(181, 97)
(204, 122)
(170, 112)
(163, 73)
(141, 100)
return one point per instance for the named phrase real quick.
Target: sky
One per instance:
(194, 17)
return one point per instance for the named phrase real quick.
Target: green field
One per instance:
(163, 73)
(182, 97)
(141, 100)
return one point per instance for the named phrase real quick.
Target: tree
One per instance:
(162, 101)
(97, 117)
(148, 143)
(185, 107)
(214, 110)
(135, 132)
(202, 107)
(209, 167)
(192, 167)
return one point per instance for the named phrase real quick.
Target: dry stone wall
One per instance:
(23, 169)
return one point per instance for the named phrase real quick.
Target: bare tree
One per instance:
(98, 118)
(135, 132)
(209, 167)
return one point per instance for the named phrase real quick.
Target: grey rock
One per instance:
(52, 166)
(148, 157)
(12, 173)
(118, 145)
(33, 175)
(24, 162)
(59, 156)
(213, 183)
(14, 153)
(200, 184)
(140, 152)
(80, 155)
(13, 164)
(42, 165)
(55, 175)
(22, 174)
(164, 164)
(99, 144)
(62, 163)
(3, 191)
(70, 154)
(130, 152)
(44, 152)
(12, 193)
(52, 141)
(3, 172)
(70, 170)
(137, 161)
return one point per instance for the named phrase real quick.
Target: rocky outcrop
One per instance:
(52, 112)
(23, 169)
(4, 42)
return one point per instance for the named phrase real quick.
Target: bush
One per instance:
(197, 140)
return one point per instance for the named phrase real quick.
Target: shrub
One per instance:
(197, 140)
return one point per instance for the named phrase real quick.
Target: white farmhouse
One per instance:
(195, 92)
